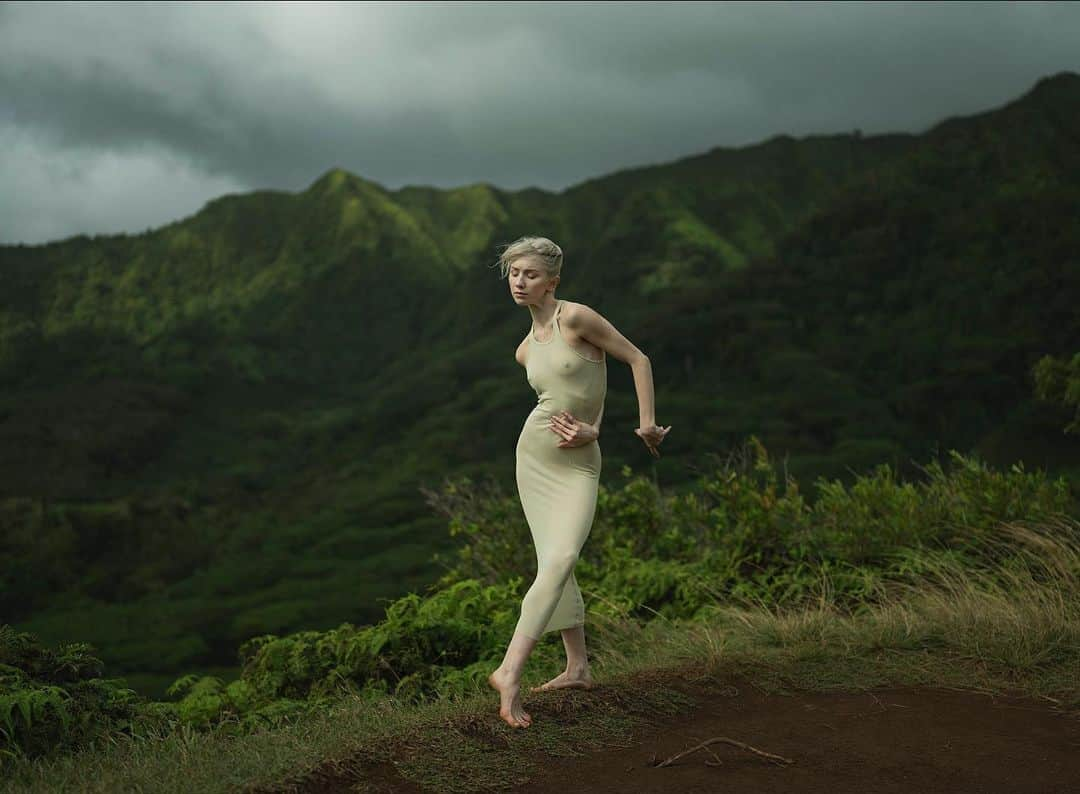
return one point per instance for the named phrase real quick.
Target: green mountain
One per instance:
(222, 427)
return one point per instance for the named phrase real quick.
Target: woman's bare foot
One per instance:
(569, 679)
(510, 708)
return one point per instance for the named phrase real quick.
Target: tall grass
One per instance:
(738, 576)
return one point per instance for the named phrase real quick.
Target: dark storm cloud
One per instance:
(122, 117)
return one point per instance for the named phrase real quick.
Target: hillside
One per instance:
(219, 428)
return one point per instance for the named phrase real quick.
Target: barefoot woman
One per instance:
(558, 457)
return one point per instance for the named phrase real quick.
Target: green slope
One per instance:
(219, 428)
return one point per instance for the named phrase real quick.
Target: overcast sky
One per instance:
(122, 117)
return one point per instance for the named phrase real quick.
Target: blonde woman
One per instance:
(558, 457)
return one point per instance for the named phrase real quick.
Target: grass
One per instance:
(1011, 627)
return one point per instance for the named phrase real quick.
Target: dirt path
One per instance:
(883, 740)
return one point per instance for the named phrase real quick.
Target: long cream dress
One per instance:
(558, 485)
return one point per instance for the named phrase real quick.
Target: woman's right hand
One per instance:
(574, 432)
(652, 436)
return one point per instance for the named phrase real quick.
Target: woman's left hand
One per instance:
(574, 433)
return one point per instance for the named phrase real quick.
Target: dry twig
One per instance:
(779, 759)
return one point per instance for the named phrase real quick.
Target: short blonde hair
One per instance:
(543, 250)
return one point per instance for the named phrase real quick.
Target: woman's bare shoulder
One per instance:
(522, 350)
(572, 310)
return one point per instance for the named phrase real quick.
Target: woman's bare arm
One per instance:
(646, 397)
(595, 328)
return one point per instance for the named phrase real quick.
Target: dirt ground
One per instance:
(882, 740)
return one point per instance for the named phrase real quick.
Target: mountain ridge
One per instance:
(288, 369)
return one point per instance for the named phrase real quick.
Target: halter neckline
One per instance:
(554, 326)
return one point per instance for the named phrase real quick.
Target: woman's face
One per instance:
(528, 281)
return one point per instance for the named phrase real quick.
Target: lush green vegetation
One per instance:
(984, 562)
(219, 429)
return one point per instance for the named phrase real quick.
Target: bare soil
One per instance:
(899, 739)
(881, 740)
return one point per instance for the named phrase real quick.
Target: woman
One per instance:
(558, 457)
